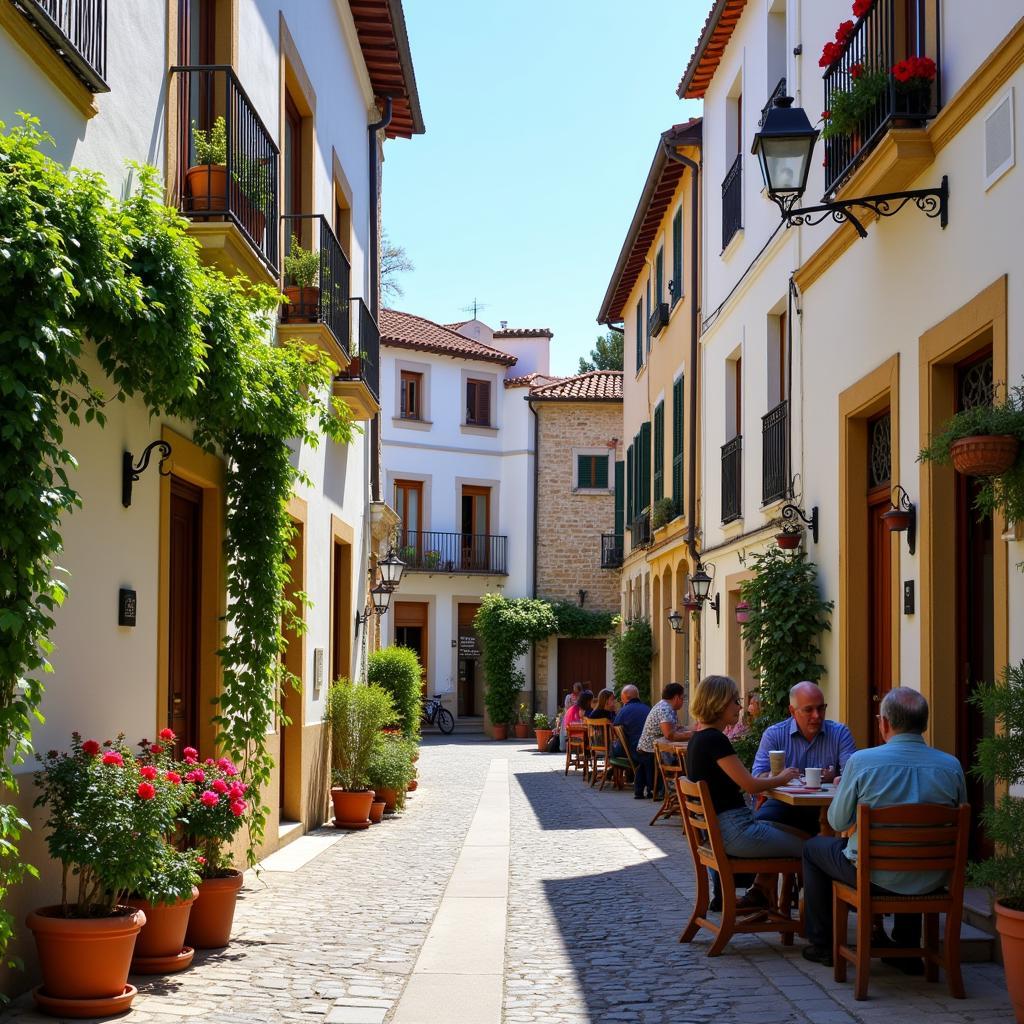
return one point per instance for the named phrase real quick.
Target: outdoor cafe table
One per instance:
(798, 797)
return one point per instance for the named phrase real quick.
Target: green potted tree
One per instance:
(397, 670)
(355, 715)
(543, 731)
(1000, 762)
(207, 178)
(390, 771)
(302, 270)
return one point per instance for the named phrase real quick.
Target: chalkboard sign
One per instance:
(469, 645)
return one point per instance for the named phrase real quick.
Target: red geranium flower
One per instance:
(156, 749)
(209, 799)
(861, 7)
(146, 790)
(113, 757)
(238, 808)
(90, 747)
(220, 786)
(190, 752)
(856, 70)
(168, 734)
(826, 114)
(173, 778)
(201, 860)
(844, 32)
(147, 771)
(831, 52)
(196, 775)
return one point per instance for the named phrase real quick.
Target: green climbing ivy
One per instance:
(632, 654)
(79, 268)
(573, 621)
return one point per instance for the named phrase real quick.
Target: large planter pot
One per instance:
(377, 812)
(390, 798)
(985, 454)
(500, 731)
(1010, 925)
(208, 187)
(522, 730)
(209, 924)
(84, 961)
(544, 738)
(302, 307)
(160, 947)
(351, 809)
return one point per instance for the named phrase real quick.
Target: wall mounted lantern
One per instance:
(792, 517)
(380, 602)
(675, 620)
(701, 583)
(391, 569)
(902, 516)
(784, 147)
(742, 611)
(130, 473)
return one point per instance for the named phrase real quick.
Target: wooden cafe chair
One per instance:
(700, 823)
(599, 750)
(575, 749)
(623, 768)
(669, 768)
(906, 837)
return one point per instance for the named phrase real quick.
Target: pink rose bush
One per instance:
(214, 811)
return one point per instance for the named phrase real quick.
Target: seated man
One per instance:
(810, 740)
(631, 716)
(904, 770)
(662, 723)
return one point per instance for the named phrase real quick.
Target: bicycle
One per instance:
(434, 713)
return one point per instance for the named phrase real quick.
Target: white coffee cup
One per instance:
(812, 778)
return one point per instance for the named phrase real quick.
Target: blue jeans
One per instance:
(744, 836)
(807, 819)
(643, 781)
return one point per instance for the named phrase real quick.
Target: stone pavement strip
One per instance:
(507, 892)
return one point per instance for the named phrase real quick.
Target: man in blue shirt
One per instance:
(810, 740)
(632, 716)
(904, 770)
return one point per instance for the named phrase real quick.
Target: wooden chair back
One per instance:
(670, 764)
(575, 748)
(599, 749)
(912, 837)
(620, 735)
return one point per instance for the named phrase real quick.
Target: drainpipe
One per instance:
(691, 480)
(533, 588)
(374, 165)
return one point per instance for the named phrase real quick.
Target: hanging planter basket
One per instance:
(897, 520)
(984, 454)
(788, 541)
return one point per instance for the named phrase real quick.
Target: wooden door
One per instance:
(582, 661)
(411, 632)
(975, 614)
(476, 527)
(184, 605)
(470, 666)
(879, 569)
(409, 506)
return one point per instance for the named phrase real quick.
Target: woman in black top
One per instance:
(605, 706)
(711, 758)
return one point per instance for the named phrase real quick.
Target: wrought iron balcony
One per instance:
(880, 40)
(732, 201)
(477, 554)
(732, 479)
(612, 550)
(640, 530)
(365, 349)
(774, 434)
(327, 301)
(77, 31)
(232, 181)
(779, 90)
(658, 320)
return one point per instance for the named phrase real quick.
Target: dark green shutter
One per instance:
(629, 484)
(647, 318)
(600, 464)
(677, 255)
(659, 271)
(639, 334)
(659, 451)
(619, 486)
(645, 480)
(638, 474)
(584, 478)
(677, 445)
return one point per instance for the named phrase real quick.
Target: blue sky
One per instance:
(542, 119)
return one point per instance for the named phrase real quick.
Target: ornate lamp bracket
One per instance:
(791, 513)
(131, 473)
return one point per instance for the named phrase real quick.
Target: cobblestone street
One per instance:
(338, 932)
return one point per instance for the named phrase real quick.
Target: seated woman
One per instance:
(710, 758)
(605, 706)
(578, 711)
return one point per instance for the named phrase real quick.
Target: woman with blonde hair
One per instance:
(605, 707)
(711, 758)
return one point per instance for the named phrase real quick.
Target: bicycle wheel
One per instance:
(445, 721)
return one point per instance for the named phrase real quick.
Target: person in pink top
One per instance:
(577, 712)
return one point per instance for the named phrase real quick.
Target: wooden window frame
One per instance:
(410, 377)
(473, 409)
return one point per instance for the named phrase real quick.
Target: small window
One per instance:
(478, 403)
(592, 472)
(412, 396)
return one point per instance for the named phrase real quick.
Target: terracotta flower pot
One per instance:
(351, 808)
(413, 786)
(500, 731)
(84, 961)
(377, 811)
(544, 738)
(208, 187)
(209, 924)
(1010, 925)
(522, 730)
(303, 305)
(787, 541)
(390, 798)
(985, 454)
(160, 947)
(897, 520)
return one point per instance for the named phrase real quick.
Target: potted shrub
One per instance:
(397, 670)
(207, 178)
(252, 179)
(212, 817)
(543, 731)
(1001, 761)
(302, 268)
(355, 715)
(390, 770)
(847, 108)
(520, 725)
(106, 822)
(431, 559)
(914, 77)
(663, 513)
(789, 540)
(985, 441)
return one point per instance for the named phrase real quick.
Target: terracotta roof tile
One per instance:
(595, 386)
(714, 38)
(524, 332)
(530, 380)
(405, 330)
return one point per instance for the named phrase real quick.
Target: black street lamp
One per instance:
(675, 621)
(784, 147)
(391, 568)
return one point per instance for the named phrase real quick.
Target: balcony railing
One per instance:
(732, 200)
(238, 183)
(611, 550)
(779, 90)
(327, 301)
(640, 530)
(475, 553)
(77, 31)
(365, 349)
(732, 479)
(774, 475)
(880, 40)
(658, 320)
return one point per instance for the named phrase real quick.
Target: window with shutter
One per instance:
(619, 485)
(592, 471)
(639, 334)
(584, 470)
(638, 475)
(659, 276)
(645, 452)
(478, 403)
(410, 390)
(677, 256)
(647, 319)
(659, 451)
(629, 484)
(601, 472)
(677, 445)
